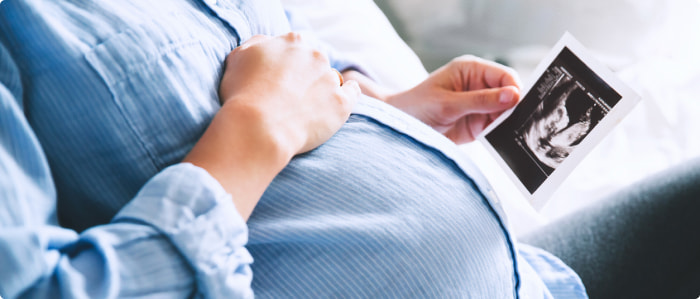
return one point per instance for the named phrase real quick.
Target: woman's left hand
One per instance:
(462, 98)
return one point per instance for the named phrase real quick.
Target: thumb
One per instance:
(489, 100)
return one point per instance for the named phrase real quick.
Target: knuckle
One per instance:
(320, 57)
(293, 37)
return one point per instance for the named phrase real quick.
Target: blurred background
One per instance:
(517, 31)
(653, 45)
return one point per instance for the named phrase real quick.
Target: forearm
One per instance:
(242, 153)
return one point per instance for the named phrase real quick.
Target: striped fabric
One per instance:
(118, 91)
(146, 250)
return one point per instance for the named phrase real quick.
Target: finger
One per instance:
(484, 73)
(254, 40)
(498, 75)
(351, 91)
(292, 36)
(492, 100)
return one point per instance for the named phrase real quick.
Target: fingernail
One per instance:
(506, 96)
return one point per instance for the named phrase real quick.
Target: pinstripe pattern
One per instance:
(387, 208)
(560, 281)
(18, 164)
(146, 250)
(413, 226)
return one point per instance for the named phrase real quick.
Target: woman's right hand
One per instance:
(279, 98)
(291, 87)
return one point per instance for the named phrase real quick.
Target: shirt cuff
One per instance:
(195, 213)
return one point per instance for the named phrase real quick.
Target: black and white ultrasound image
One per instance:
(554, 117)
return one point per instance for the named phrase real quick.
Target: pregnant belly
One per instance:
(374, 213)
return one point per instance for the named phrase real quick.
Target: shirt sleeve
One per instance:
(181, 236)
(558, 279)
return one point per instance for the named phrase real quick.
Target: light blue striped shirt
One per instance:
(118, 92)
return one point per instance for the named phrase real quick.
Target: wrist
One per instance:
(252, 126)
(402, 101)
(242, 151)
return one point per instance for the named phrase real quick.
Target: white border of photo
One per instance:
(628, 100)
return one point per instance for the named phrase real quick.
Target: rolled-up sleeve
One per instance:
(181, 236)
(191, 209)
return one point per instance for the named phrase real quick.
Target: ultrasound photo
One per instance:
(555, 116)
